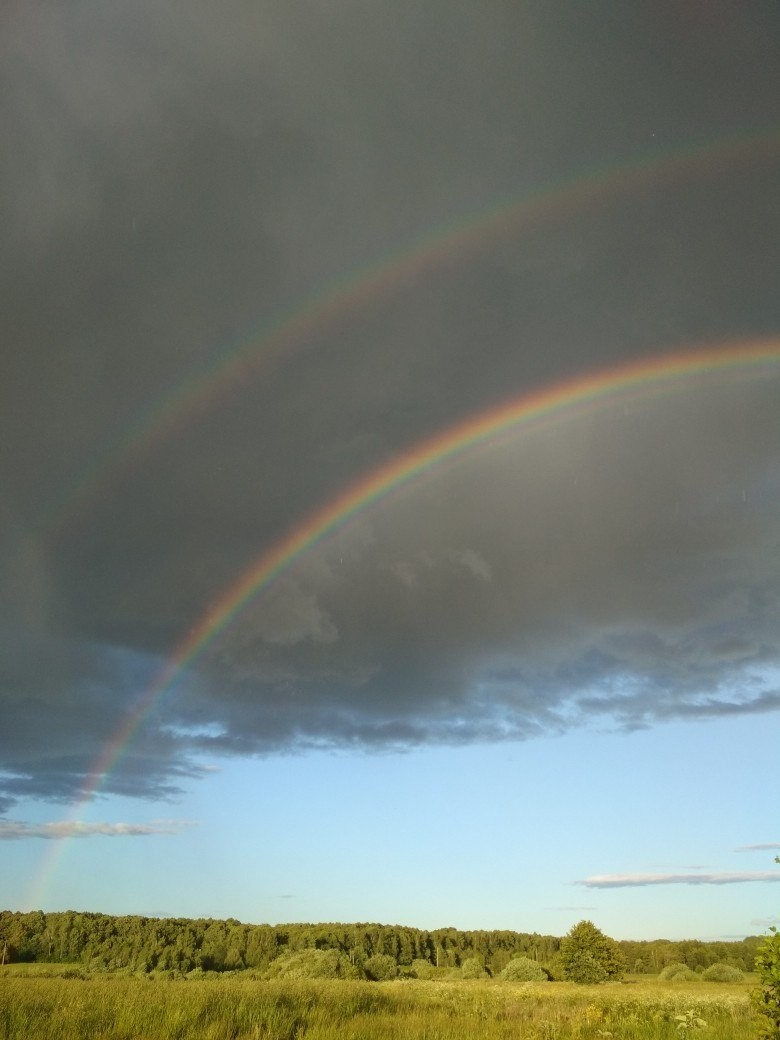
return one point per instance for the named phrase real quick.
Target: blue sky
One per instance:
(479, 837)
(256, 254)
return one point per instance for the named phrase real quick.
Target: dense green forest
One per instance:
(146, 944)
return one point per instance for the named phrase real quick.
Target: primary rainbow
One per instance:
(560, 401)
(557, 403)
(208, 383)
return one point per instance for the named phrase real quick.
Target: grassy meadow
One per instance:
(60, 1002)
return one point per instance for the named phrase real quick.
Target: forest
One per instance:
(101, 942)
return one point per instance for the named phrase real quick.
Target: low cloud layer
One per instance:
(642, 880)
(15, 830)
(179, 180)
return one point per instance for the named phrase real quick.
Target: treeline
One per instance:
(148, 944)
(179, 944)
(653, 957)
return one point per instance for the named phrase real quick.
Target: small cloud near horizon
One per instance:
(568, 909)
(640, 880)
(761, 846)
(16, 830)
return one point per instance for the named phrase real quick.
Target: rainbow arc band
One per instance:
(302, 325)
(560, 402)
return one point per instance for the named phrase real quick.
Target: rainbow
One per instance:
(561, 402)
(304, 322)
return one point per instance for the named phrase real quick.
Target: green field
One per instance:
(62, 1002)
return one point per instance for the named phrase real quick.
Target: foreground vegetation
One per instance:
(91, 976)
(35, 1003)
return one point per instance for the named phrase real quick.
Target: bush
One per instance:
(523, 969)
(422, 969)
(380, 967)
(473, 968)
(767, 998)
(723, 973)
(677, 973)
(310, 964)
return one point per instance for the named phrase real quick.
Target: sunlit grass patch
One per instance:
(241, 1008)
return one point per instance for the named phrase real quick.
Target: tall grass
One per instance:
(238, 1008)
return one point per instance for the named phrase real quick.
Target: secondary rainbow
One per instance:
(301, 325)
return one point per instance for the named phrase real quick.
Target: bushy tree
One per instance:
(380, 966)
(587, 955)
(473, 968)
(310, 964)
(767, 998)
(677, 973)
(523, 969)
(422, 969)
(720, 972)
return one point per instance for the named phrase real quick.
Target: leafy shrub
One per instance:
(677, 973)
(767, 998)
(473, 968)
(523, 969)
(310, 964)
(422, 969)
(723, 973)
(380, 966)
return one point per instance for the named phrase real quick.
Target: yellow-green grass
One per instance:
(103, 1007)
(34, 970)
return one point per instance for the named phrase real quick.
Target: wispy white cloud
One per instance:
(765, 922)
(758, 847)
(640, 880)
(15, 830)
(571, 908)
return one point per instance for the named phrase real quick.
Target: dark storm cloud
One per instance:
(546, 584)
(176, 177)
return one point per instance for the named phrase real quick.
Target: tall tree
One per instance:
(587, 955)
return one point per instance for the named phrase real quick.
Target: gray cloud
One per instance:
(759, 847)
(178, 180)
(641, 880)
(15, 830)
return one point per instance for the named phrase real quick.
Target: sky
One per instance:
(390, 462)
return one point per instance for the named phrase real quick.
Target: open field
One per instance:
(36, 1005)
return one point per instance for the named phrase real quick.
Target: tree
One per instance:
(767, 999)
(309, 964)
(587, 955)
(523, 969)
(423, 969)
(473, 968)
(677, 972)
(380, 966)
(720, 972)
